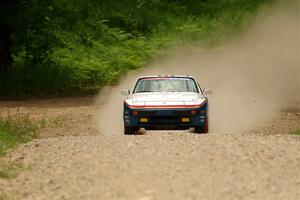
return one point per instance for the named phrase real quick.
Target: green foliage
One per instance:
(296, 132)
(15, 130)
(73, 47)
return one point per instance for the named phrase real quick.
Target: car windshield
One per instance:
(165, 85)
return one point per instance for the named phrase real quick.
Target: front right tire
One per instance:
(201, 129)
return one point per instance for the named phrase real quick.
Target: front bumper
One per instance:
(165, 118)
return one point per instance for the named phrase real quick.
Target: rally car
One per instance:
(166, 102)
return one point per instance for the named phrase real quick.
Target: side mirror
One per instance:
(207, 91)
(125, 92)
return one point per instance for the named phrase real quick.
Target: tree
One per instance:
(5, 54)
(8, 13)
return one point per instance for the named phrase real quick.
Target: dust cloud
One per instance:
(253, 77)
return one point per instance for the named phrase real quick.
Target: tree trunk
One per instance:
(5, 54)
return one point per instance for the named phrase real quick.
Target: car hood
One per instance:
(165, 99)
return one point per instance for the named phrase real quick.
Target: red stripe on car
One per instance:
(166, 106)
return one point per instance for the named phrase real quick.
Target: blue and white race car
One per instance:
(166, 102)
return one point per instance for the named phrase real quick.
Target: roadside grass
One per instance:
(19, 128)
(9, 170)
(3, 196)
(14, 130)
(297, 132)
(56, 122)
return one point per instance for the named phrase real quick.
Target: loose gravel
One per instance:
(259, 164)
(159, 165)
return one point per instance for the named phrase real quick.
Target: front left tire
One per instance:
(129, 130)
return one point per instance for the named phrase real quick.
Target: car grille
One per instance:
(170, 113)
(164, 119)
(147, 113)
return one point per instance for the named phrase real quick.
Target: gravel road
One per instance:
(259, 164)
(159, 165)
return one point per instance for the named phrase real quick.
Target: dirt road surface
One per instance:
(72, 161)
